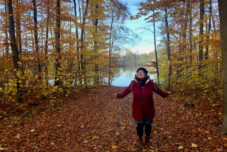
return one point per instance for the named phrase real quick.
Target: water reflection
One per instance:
(125, 76)
(122, 78)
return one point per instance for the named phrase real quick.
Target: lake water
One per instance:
(120, 79)
(125, 76)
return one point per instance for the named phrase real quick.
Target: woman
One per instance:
(143, 104)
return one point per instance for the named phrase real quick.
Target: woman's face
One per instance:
(140, 74)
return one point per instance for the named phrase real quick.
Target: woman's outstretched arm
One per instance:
(125, 92)
(159, 91)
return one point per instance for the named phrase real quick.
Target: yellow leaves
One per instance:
(19, 63)
(194, 145)
(60, 90)
(95, 137)
(180, 147)
(10, 98)
(55, 88)
(22, 106)
(117, 133)
(18, 136)
(14, 93)
(114, 147)
(207, 132)
(3, 113)
(2, 148)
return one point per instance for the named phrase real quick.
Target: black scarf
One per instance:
(142, 81)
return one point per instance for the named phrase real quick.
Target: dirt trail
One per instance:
(98, 122)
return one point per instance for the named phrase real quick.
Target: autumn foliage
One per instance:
(52, 48)
(190, 53)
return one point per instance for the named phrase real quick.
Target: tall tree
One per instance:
(110, 45)
(190, 30)
(6, 33)
(36, 37)
(208, 29)
(14, 48)
(168, 47)
(18, 24)
(46, 41)
(95, 23)
(201, 33)
(155, 46)
(118, 13)
(223, 13)
(82, 56)
(57, 45)
(77, 35)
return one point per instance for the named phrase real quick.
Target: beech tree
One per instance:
(222, 5)
(15, 51)
(191, 63)
(57, 47)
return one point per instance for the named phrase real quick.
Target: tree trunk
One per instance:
(155, 48)
(168, 48)
(208, 31)
(190, 31)
(46, 43)
(201, 34)
(96, 47)
(77, 42)
(36, 38)
(80, 16)
(6, 34)
(110, 47)
(223, 13)
(57, 46)
(183, 44)
(18, 27)
(82, 56)
(14, 48)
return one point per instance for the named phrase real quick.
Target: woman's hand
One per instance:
(115, 94)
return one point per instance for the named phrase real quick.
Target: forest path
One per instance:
(97, 121)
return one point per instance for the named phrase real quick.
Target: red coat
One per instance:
(143, 103)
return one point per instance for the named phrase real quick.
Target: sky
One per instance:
(140, 27)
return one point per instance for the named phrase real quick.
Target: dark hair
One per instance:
(142, 68)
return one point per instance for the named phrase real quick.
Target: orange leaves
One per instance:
(96, 121)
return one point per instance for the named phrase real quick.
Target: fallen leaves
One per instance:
(194, 145)
(95, 137)
(1, 148)
(18, 136)
(117, 133)
(180, 147)
(106, 124)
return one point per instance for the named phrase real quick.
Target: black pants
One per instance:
(140, 127)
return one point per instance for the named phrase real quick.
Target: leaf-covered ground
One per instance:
(97, 121)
